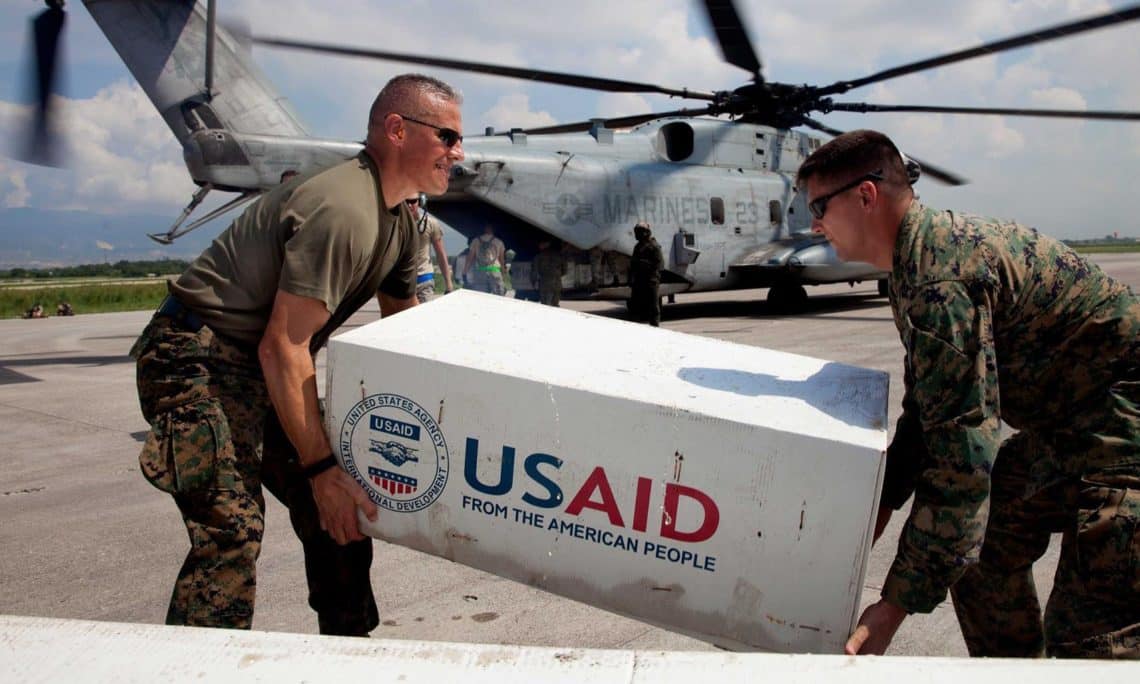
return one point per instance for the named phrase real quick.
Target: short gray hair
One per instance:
(404, 94)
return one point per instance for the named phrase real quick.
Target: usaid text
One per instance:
(541, 488)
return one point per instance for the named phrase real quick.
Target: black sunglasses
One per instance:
(447, 136)
(818, 206)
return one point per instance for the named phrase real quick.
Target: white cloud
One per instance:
(1001, 140)
(118, 155)
(13, 186)
(1057, 98)
(1065, 176)
(513, 111)
(622, 104)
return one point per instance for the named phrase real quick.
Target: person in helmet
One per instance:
(645, 277)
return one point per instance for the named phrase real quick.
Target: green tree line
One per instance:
(119, 269)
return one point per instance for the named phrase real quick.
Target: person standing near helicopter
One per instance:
(999, 323)
(645, 276)
(547, 270)
(431, 237)
(487, 262)
(226, 374)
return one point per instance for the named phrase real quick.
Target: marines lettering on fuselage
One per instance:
(673, 210)
(657, 209)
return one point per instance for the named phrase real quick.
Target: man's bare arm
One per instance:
(444, 267)
(291, 380)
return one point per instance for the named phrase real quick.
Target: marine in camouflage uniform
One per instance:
(546, 273)
(237, 338)
(1000, 323)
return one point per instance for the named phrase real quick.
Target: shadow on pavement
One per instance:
(757, 308)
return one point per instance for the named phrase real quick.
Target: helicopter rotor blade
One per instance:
(617, 122)
(47, 27)
(823, 128)
(935, 172)
(558, 78)
(734, 42)
(1099, 115)
(1130, 13)
(938, 173)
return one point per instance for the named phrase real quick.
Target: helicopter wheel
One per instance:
(787, 298)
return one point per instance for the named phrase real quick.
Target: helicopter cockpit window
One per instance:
(716, 205)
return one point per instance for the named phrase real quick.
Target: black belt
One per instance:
(178, 312)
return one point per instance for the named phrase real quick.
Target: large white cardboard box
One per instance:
(720, 490)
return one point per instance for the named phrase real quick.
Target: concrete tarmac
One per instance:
(84, 536)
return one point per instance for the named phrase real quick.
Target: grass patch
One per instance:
(1106, 249)
(84, 299)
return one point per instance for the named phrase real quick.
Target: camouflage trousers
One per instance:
(487, 281)
(214, 441)
(1094, 608)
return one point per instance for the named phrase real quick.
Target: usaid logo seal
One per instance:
(395, 449)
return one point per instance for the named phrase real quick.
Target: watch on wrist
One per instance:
(313, 469)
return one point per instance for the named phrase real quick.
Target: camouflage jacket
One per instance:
(998, 323)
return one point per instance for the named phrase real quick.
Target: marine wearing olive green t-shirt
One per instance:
(324, 237)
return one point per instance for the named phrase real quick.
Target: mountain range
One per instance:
(44, 238)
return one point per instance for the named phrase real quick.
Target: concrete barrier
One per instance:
(54, 650)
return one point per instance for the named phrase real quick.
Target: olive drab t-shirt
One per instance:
(326, 237)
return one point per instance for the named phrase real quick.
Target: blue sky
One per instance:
(1070, 179)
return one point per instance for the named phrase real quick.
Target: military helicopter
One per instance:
(718, 191)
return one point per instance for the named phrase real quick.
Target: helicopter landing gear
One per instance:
(787, 298)
(883, 287)
(177, 230)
